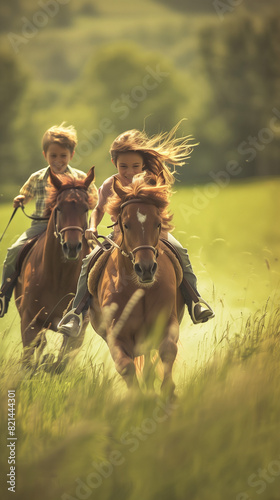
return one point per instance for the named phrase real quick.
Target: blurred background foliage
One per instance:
(109, 66)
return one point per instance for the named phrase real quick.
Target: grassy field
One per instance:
(80, 435)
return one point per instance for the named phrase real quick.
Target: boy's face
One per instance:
(128, 165)
(58, 157)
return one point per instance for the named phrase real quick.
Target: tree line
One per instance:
(231, 96)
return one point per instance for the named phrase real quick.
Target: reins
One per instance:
(111, 242)
(33, 217)
(11, 218)
(37, 218)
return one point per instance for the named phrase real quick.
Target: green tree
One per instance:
(189, 5)
(241, 58)
(131, 88)
(12, 86)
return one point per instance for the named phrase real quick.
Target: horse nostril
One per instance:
(138, 269)
(79, 247)
(154, 268)
(65, 247)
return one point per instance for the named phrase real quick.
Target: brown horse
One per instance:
(51, 269)
(140, 283)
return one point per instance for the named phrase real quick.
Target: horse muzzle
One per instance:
(71, 245)
(144, 267)
(145, 272)
(72, 250)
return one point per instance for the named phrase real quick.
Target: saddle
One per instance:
(99, 260)
(20, 259)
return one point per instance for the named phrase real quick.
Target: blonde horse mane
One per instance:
(148, 189)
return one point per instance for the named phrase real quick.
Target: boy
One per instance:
(58, 149)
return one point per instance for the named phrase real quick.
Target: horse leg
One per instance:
(149, 371)
(123, 362)
(32, 338)
(168, 352)
(69, 349)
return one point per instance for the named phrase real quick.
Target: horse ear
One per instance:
(90, 177)
(117, 188)
(56, 182)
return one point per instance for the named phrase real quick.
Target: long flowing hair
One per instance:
(158, 151)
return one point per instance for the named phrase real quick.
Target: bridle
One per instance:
(60, 233)
(132, 253)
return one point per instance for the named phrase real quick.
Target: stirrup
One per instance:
(201, 301)
(62, 325)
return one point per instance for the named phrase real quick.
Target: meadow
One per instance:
(80, 435)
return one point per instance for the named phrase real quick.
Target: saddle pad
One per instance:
(172, 257)
(95, 272)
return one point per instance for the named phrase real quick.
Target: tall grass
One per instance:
(81, 435)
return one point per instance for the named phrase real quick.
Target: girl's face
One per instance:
(128, 165)
(58, 157)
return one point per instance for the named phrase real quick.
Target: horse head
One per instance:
(69, 205)
(142, 215)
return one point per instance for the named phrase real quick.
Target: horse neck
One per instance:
(52, 247)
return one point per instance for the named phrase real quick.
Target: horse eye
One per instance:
(126, 226)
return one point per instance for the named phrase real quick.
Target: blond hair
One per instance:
(58, 134)
(156, 150)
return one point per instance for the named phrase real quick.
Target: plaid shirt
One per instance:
(37, 184)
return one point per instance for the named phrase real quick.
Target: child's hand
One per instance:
(18, 200)
(90, 233)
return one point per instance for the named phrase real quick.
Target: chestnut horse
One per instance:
(140, 283)
(50, 271)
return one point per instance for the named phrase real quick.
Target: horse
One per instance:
(139, 284)
(50, 271)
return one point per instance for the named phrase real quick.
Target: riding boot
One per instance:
(199, 310)
(71, 323)
(4, 304)
(5, 295)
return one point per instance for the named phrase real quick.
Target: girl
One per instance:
(133, 152)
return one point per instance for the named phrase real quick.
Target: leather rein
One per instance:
(57, 233)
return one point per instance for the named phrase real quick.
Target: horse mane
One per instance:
(148, 189)
(68, 184)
